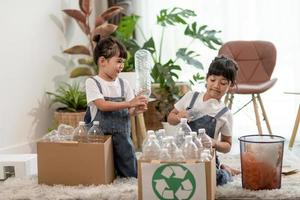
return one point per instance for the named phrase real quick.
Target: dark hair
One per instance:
(108, 47)
(223, 66)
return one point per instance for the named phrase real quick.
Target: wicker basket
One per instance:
(70, 118)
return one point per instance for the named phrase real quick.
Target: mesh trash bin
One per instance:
(261, 161)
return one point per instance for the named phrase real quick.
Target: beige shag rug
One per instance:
(126, 189)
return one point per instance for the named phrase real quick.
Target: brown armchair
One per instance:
(256, 60)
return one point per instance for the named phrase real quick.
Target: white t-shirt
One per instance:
(109, 89)
(210, 107)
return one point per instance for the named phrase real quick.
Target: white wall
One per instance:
(31, 64)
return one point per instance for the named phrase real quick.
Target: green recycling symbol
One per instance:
(173, 181)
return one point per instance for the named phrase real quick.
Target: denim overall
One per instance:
(209, 124)
(117, 124)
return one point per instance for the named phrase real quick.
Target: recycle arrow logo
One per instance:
(173, 181)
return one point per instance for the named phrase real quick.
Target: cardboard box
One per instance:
(75, 163)
(17, 165)
(188, 180)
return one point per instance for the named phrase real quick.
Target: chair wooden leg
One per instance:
(264, 114)
(226, 98)
(292, 140)
(230, 99)
(256, 114)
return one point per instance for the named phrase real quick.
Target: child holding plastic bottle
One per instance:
(206, 110)
(111, 101)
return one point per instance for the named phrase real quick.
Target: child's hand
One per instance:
(182, 114)
(138, 101)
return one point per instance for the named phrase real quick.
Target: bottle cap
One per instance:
(150, 132)
(193, 134)
(81, 123)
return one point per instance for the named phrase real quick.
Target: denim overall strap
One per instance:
(222, 112)
(117, 124)
(195, 95)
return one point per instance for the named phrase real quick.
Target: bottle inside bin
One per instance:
(95, 134)
(164, 155)
(80, 133)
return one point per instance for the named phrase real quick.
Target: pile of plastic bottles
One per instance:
(185, 145)
(80, 133)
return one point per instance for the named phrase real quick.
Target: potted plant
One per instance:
(164, 73)
(71, 101)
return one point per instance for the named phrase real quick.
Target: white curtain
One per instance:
(277, 21)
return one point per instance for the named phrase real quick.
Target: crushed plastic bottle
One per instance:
(143, 68)
(80, 132)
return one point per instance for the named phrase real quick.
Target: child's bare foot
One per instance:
(230, 170)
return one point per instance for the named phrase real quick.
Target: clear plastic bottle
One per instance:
(172, 147)
(205, 155)
(164, 155)
(197, 142)
(143, 68)
(179, 157)
(148, 133)
(183, 126)
(160, 134)
(94, 133)
(151, 150)
(179, 138)
(80, 133)
(189, 149)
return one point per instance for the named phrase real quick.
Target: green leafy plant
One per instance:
(165, 73)
(70, 97)
(87, 67)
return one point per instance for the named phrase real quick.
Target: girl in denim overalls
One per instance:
(215, 117)
(111, 101)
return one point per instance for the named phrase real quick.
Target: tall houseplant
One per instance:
(101, 27)
(165, 73)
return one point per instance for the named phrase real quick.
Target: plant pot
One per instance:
(69, 118)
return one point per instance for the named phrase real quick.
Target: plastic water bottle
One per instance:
(179, 138)
(172, 147)
(143, 68)
(94, 133)
(205, 155)
(183, 126)
(160, 134)
(179, 157)
(189, 149)
(197, 142)
(80, 133)
(164, 155)
(151, 151)
(148, 133)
